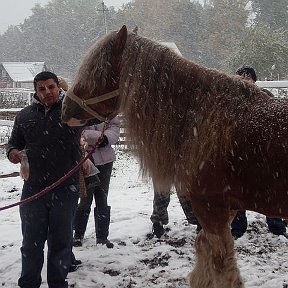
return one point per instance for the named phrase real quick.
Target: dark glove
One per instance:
(104, 142)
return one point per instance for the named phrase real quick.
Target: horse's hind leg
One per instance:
(216, 265)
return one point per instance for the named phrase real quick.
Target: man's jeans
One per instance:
(48, 218)
(239, 225)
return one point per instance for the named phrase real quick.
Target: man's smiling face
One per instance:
(47, 91)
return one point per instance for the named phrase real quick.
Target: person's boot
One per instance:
(80, 224)
(276, 226)
(239, 225)
(78, 240)
(102, 222)
(198, 228)
(187, 209)
(74, 263)
(158, 229)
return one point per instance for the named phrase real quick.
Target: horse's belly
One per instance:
(263, 180)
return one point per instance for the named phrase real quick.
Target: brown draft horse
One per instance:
(218, 139)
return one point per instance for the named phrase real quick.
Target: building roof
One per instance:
(23, 71)
(172, 46)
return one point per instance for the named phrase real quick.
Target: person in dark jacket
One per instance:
(239, 224)
(52, 150)
(103, 159)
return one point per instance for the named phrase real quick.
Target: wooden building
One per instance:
(19, 74)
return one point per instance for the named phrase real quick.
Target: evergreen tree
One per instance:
(11, 44)
(169, 20)
(271, 13)
(58, 33)
(267, 52)
(225, 22)
(216, 34)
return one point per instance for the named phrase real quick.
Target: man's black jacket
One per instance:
(53, 148)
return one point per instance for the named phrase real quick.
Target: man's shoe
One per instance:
(237, 235)
(277, 233)
(73, 268)
(105, 242)
(158, 230)
(198, 228)
(74, 264)
(77, 240)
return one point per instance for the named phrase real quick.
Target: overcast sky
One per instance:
(13, 12)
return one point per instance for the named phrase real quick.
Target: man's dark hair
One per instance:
(45, 75)
(247, 70)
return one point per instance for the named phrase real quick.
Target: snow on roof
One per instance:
(23, 71)
(172, 46)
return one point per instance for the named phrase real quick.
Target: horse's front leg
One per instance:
(216, 265)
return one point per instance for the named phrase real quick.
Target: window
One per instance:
(3, 73)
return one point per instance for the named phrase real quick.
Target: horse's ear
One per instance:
(121, 39)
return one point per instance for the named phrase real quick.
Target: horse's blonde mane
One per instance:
(179, 114)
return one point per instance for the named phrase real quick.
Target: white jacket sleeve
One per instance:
(112, 131)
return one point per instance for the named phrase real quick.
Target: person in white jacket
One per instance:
(103, 159)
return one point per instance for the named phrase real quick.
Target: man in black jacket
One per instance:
(53, 149)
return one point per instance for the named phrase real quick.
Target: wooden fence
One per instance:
(5, 131)
(14, 98)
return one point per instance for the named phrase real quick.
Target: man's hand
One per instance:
(15, 156)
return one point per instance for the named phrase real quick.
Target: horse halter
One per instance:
(84, 103)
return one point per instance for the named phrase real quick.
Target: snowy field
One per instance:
(137, 261)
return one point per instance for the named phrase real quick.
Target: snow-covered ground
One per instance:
(136, 261)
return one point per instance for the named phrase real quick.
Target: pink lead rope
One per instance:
(61, 180)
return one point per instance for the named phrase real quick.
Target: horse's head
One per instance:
(95, 90)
